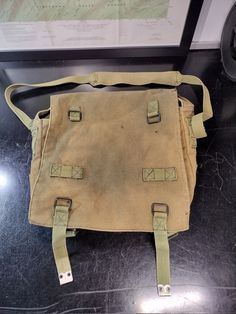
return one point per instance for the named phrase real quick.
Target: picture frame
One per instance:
(115, 52)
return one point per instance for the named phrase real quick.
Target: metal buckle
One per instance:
(154, 118)
(162, 208)
(75, 115)
(63, 201)
(164, 290)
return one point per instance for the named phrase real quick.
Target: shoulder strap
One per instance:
(171, 78)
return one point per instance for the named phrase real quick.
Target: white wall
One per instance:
(210, 24)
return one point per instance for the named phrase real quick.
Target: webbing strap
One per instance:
(66, 171)
(159, 174)
(153, 114)
(60, 221)
(160, 212)
(172, 78)
(198, 119)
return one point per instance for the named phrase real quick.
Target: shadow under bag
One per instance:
(115, 161)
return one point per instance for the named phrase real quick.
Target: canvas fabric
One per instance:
(113, 143)
(115, 160)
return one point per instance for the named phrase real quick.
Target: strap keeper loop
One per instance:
(153, 114)
(63, 201)
(160, 208)
(75, 114)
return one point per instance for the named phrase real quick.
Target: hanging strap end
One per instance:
(60, 222)
(65, 277)
(164, 290)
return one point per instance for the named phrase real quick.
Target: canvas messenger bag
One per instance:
(115, 160)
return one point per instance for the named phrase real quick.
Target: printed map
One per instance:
(73, 24)
(59, 10)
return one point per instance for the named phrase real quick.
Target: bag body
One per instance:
(113, 143)
(115, 161)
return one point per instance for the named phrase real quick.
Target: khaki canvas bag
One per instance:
(115, 161)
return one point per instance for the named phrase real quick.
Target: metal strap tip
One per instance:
(65, 277)
(164, 290)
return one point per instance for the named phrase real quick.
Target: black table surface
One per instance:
(115, 272)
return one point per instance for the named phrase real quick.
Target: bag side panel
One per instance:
(39, 131)
(188, 144)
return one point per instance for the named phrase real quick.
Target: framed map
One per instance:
(94, 25)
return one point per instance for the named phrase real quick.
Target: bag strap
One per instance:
(160, 214)
(171, 78)
(62, 208)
